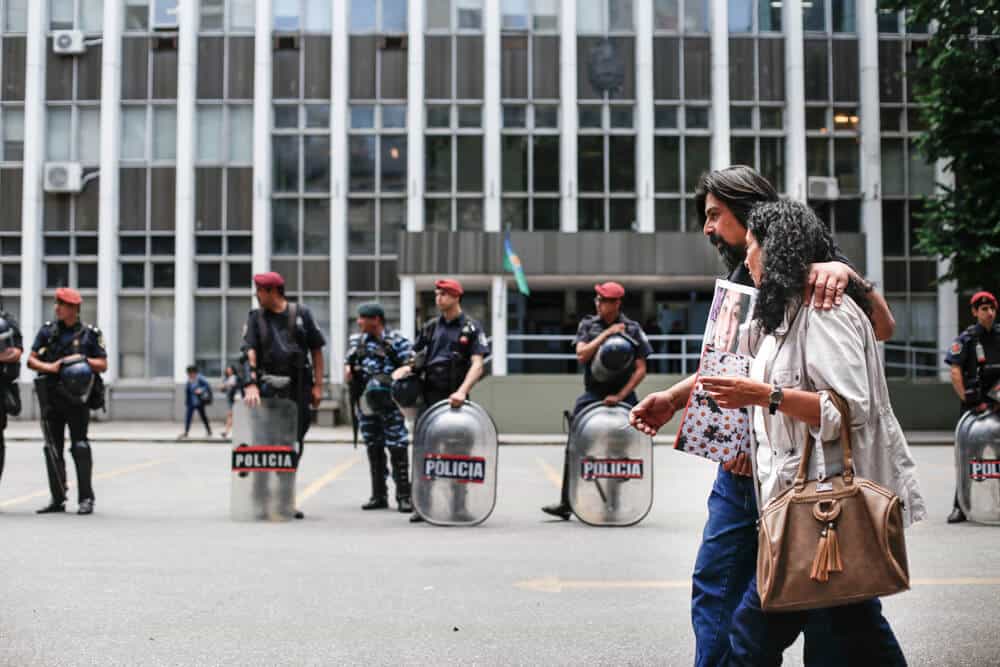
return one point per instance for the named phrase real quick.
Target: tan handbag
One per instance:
(831, 542)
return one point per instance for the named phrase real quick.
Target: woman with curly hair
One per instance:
(800, 354)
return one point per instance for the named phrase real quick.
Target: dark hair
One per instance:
(192, 369)
(791, 238)
(738, 187)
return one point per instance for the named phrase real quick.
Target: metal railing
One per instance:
(672, 353)
(680, 353)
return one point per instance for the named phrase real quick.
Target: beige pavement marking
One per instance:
(556, 585)
(117, 472)
(334, 472)
(554, 476)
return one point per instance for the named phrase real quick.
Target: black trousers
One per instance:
(377, 460)
(62, 414)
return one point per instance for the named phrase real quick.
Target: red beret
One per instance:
(69, 295)
(269, 279)
(451, 286)
(980, 297)
(610, 290)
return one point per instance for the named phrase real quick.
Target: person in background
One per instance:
(197, 395)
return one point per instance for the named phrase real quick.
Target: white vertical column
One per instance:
(262, 138)
(947, 292)
(795, 101)
(719, 22)
(187, 77)
(415, 119)
(871, 150)
(491, 115)
(498, 329)
(568, 121)
(338, 205)
(645, 210)
(107, 236)
(415, 159)
(34, 160)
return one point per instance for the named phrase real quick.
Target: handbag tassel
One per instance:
(827, 558)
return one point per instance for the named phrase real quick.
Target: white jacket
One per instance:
(832, 349)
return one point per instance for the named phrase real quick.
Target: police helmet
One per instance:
(76, 379)
(408, 393)
(377, 397)
(6, 334)
(614, 357)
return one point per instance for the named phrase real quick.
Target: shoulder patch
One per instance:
(956, 347)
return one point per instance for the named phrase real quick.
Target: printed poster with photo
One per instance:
(706, 429)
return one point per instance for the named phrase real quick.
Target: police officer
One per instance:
(449, 351)
(63, 352)
(974, 357)
(11, 349)
(283, 353)
(375, 352)
(594, 331)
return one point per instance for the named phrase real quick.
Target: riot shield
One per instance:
(977, 466)
(264, 459)
(610, 467)
(455, 464)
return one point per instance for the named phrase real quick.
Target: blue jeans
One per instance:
(858, 631)
(724, 569)
(200, 409)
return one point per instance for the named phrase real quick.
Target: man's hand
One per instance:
(739, 465)
(652, 412)
(736, 392)
(457, 399)
(317, 395)
(251, 395)
(612, 399)
(826, 284)
(616, 328)
(54, 367)
(401, 372)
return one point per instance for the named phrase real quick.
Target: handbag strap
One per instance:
(845, 445)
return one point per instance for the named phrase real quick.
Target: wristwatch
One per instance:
(775, 398)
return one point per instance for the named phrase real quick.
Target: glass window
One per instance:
(16, 15)
(769, 16)
(394, 17)
(361, 227)
(241, 14)
(920, 171)
(164, 133)
(814, 15)
(843, 16)
(210, 133)
(740, 16)
(58, 132)
(213, 14)
(136, 14)
(132, 336)
(666, 15)
(393, 157)
(61, 15)
(165, 13)
(89, 135)
(316, 227)
(696, 15)
(362, 16)
(286, 15)
(241, 133)
(318, 16)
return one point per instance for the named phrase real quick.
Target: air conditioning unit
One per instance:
(63, 177)
(68, 42)
(823, 188)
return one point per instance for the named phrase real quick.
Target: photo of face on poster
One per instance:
(732, 309)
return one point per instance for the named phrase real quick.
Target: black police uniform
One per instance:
(590, 328)
(283, 353)
(977, 376)
(8, 380)
(54, 341)
(448, 348)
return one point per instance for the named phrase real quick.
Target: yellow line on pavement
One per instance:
(556, 585)
(334, 472)
(117, 472)
(554, 475)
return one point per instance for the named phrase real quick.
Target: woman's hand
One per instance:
(739, 465)
(736, 392)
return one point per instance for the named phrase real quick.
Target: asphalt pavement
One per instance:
(160, 575)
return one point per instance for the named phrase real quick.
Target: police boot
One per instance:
(376, 468)
(54, 507)
(957, 515)
(562, 508)
(84, 461)
(400, 458)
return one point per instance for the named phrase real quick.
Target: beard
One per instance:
(732, 255)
